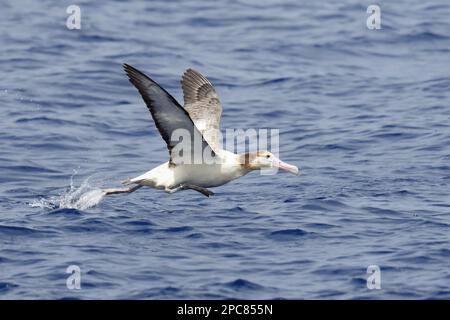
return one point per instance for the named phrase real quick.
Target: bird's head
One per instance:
(266, 160)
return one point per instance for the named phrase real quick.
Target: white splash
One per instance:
(83, 197)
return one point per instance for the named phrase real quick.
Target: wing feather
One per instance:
(202, 103)
(167, 113)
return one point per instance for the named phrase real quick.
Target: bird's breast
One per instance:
(206, 175)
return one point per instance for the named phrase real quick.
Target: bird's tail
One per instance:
(127, 181)
(131, 181)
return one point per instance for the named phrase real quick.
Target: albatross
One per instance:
(200, 119)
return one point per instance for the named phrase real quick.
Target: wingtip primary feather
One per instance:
(126, 67)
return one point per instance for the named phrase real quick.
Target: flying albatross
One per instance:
(200, 119)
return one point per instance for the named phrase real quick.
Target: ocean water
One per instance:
(364, 114)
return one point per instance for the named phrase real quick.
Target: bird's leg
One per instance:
(169, 190)
(121, 190)
(183, 186)
(202, 190)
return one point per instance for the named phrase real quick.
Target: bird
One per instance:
(199, 120)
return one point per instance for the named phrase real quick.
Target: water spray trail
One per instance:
(83, 197)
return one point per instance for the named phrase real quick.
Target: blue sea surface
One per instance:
(363, 113)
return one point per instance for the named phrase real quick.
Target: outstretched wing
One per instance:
(203, 105)
(169, 116)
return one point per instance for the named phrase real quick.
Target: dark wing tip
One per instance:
(135, 76)
(129, 69)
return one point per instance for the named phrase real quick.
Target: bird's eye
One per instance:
(268, 156)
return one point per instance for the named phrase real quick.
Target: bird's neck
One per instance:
(246, 160)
